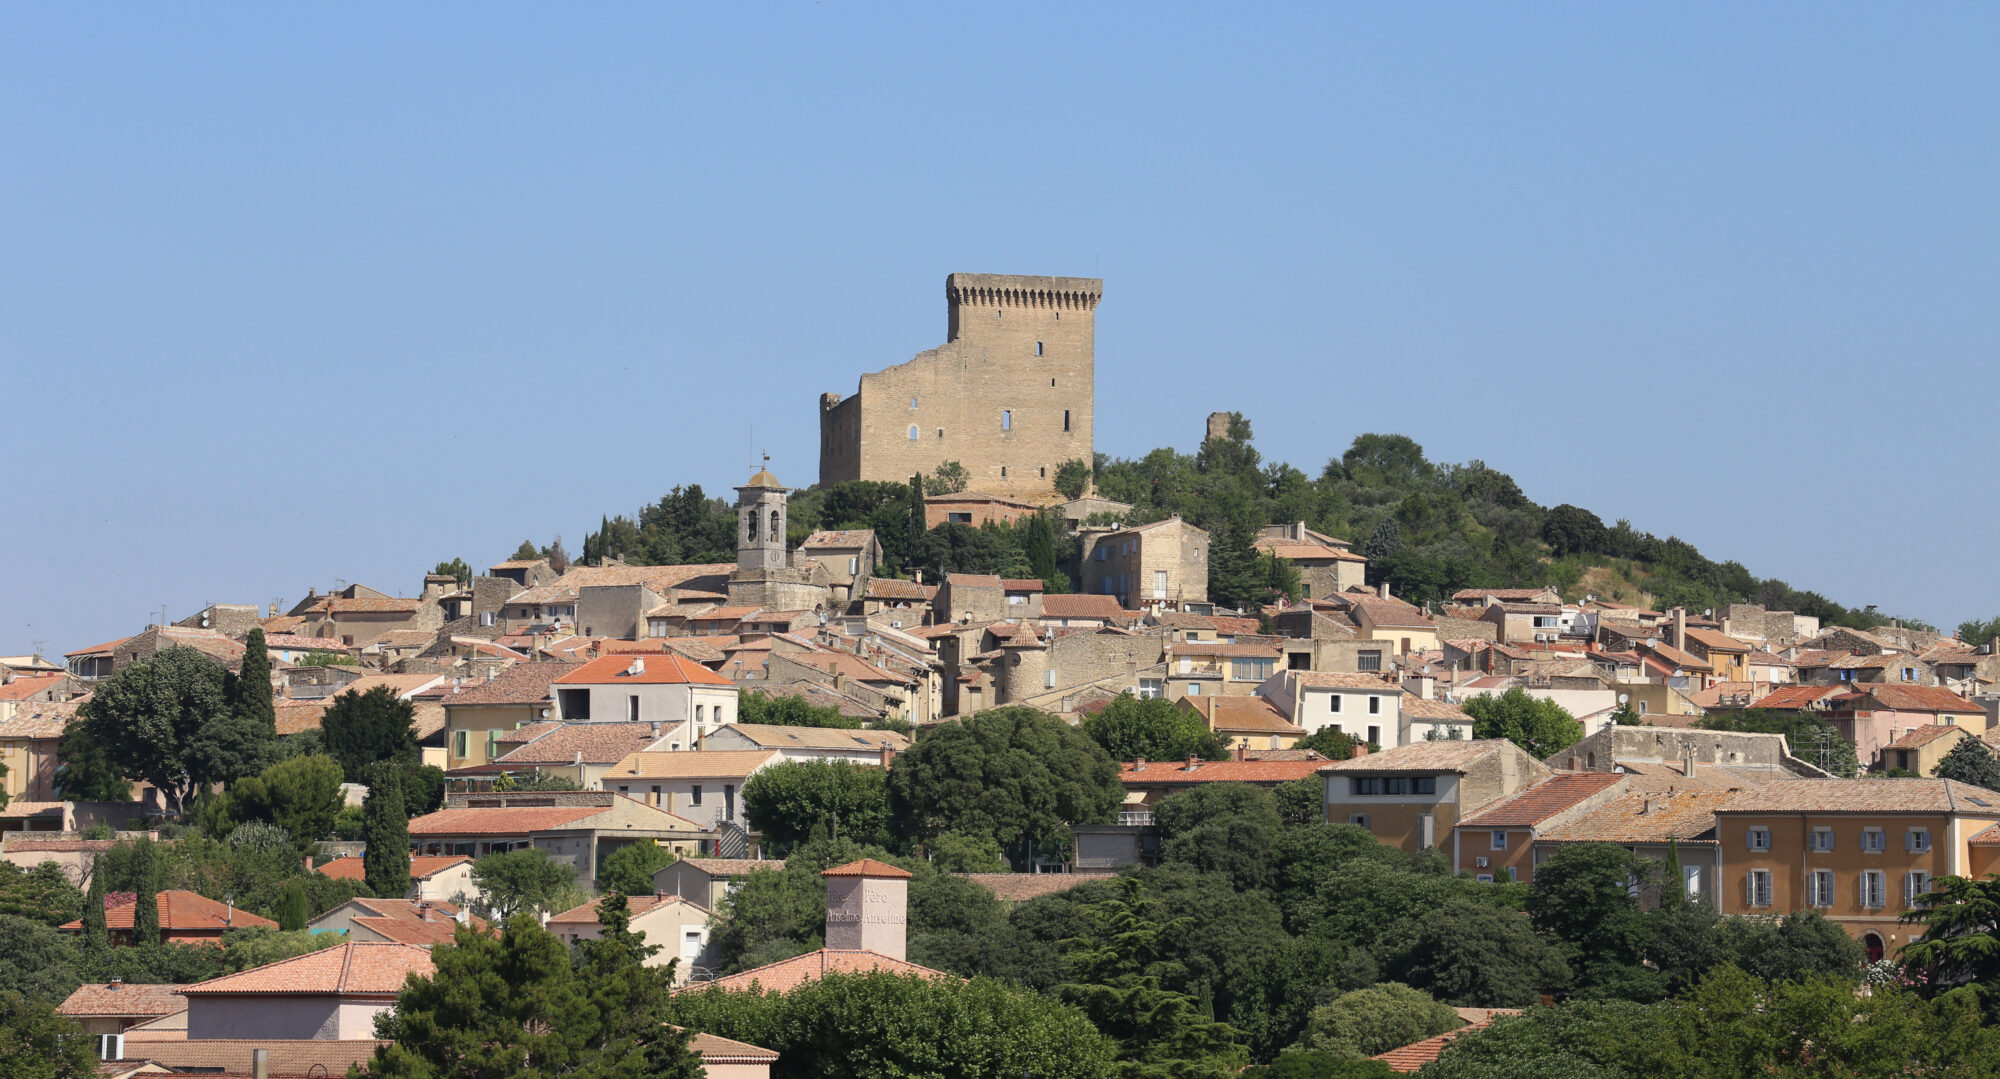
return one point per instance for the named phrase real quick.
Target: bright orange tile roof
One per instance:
(1413, 1057)
(788, 974)
(1925, 735)
(715, 1050)
(342, 970)
(867, 867)
(1922, 699)
(1792, 698)
(666, 668)
(1543, 800)
(498, 820)
(1164, 773)
(183, 912)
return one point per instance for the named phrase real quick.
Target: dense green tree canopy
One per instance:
(156, 720)
(754, 706)
(36, 1043)
(523, 881)
(361, 730)
(1015, 774)
(1970, 762)
(1542, 727)
(630, 868)
(1374, 1020)
(1154, 729)
(790, 802)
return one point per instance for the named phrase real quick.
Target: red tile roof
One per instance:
(600, 743)
(867, 867)
(20, 689)
(497, 820)
(665, 669)
(1543, 800)
(1161, 773)
(788, 974)
(731, 867)
(1081, 606)
(714, 1050)
(96, 649)
(1413, 1057)
(1925, 735)
(343, 970)
(1021, 887)
(634, 905)
(124, 1001)
(1922, 699)
(1794, 698)
(182, 911)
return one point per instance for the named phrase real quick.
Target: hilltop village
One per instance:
(988, 749)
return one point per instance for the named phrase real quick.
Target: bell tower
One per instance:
(760, 523)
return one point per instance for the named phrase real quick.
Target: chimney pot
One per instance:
(1242, 752)
(1192, 762)
(1361, 749)
(1139, 764)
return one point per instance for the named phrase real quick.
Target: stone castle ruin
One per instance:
(1008, 395)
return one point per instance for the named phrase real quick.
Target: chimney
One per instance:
(1138, 764)
(229, 913)
(1652, 806)
(1360, 749)
(260, 1064)
(1688, 763)
(867, 908)
(309, 863)
(1193, 762)
(887, 756)
(1299, 531)
(1242, 752)
(114, 983)
(1680, 628)
(1382, 590)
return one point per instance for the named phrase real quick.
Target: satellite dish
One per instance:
(1624, 697)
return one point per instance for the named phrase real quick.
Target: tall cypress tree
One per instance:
(1040, 546)
(386, 829)
(96, 937)
(146, 882)
(253, 686)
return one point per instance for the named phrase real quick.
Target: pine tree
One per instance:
(146, 882)
(386, 830)
(96, 937)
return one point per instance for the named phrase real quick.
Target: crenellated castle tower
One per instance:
(1008, 395)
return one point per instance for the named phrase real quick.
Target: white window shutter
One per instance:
(1909, 889)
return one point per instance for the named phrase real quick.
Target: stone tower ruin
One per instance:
(1008, 395)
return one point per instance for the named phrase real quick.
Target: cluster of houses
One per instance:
(629, 682)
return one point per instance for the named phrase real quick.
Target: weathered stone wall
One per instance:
(1008, 395)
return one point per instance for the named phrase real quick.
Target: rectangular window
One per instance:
(1374, 736)
(1374, 706)
(1049, 679)
(1918, 841)
(1395, 785)
(632, 708)
(1333, 703)
(1006, 421)
(1150, 688)
(1819, 888)
(1874, 840)
(1159, 584)
(1499, 839)
(1364, 785)
(700, 712)
(694, 799)
(463, 741)
(1194, 689)
(1757, 888)
(492, 744)
(1914, 885)
(1691, 880)
(656, 795)
(1065, 419)
(1424, 785)
(1484, 878)
(1758, 838)
(1874, 890)
(1038, 348)
(853, 566)
(1821, 840)
(1359, 820)
(1251, 670)
(1368, 661)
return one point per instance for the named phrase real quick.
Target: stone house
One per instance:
(1380, 616)
(708, 881)
(1162, 562)
(29, 740)
(1412, 797)
(1516, 621)
(677, 926)
(973, 509)
(1326, 565)
(904, 604)
(577, 828)
(849, 557)
(1208, 668)
(1364, 707)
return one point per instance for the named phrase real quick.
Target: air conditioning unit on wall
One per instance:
(1482, 863)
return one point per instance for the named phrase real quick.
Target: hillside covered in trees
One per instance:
(1428, 529)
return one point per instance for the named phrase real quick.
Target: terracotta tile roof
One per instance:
(1284, 755)
(634, 905)
(973, 580)
(182, 911)
(732, 867)
(1528, 608)
(297, 716)
(416, 932)
(715, 1050)
(1021, 584)
(1177, 773)
(667, 669)
(500, 820)
(889, 588)
(1081, 606)
(343, 970)
(1246, 714)
(40, 719)
(1021, 887)
(1990, 837)
(788, 974)
(18, 809)
(867, 867)
(1306, 552)
(1715, 641)
(1761, 658)
(1390, 612)
(1922, 699)
(96, 649)
(1867, 796)
(1413, 1057)
(123, 1000)
(20, 841)
(1448, 756)
(845, 538)
(692, 764)
(600, 743)
(1818, 657)
(373, 605)
(523, 683)
(1538, 803)
(543, 594)
(1336, 680)
(22, 688)
(1643, 817)
(1432, 710)
(1925, 735)
(1793, 698)
(774, 736)
(422, 866)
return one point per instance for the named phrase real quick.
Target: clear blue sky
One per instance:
(292, 295)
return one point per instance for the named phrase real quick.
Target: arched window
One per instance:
(913, 432)
(777, 528)
(750, 526)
